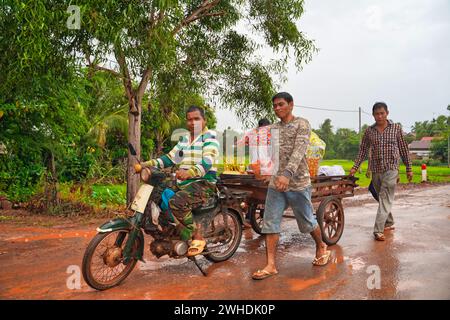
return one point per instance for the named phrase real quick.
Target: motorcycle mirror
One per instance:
(131, 148)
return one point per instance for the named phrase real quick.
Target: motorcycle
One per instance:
(119, 244)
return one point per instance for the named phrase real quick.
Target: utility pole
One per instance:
(360, 137)
(448, 139)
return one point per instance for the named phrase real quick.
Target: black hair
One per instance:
(283, 95)
(379, 105)
(194, 108)
(263, 122)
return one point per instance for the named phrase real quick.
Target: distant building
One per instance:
(420, 149)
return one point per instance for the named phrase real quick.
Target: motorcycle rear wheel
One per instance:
(102, 265)
(257, 217)
(224, 236)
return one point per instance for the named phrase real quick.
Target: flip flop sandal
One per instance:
(389, 228)
(263, 274)
(196, 247)
(379, 237)
(322, 260)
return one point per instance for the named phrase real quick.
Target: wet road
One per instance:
(413, 263)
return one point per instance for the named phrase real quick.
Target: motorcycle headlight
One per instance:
(146, 173)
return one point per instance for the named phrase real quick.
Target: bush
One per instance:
(19, 180)
(75, 164)
(429, 162)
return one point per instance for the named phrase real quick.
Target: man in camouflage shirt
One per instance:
(290, 184)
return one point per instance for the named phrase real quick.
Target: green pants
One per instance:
(384, 184)
(192, 196)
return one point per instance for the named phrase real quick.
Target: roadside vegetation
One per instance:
(70, 100)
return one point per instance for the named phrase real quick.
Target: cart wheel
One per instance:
(330, 216)
(256, 217)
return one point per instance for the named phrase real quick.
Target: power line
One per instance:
(334, 110)
(359, 111)
(326, 109)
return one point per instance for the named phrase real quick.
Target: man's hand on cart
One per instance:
(281, 183)
(352, 172)
(266, 179)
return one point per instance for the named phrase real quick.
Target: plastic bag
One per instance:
(316, 148)
(314, 153)
(331, 170)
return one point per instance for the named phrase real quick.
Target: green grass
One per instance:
(113, 194)
(98, 196)
(103, 196)
(435, 174)
(6, 218)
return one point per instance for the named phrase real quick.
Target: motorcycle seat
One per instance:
(212, 204)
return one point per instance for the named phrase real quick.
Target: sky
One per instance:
(371, 50)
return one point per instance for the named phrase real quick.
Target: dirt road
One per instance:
(42, 262)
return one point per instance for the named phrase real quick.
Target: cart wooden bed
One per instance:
(327, 192)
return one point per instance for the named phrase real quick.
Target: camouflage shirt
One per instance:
(290, 141)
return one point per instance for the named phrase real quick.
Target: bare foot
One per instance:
(264, 273)
(379, 236)
(269, 269)
(321, 250)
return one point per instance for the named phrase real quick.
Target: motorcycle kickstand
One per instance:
(194, 259)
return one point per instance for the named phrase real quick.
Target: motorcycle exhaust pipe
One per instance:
(180, 248)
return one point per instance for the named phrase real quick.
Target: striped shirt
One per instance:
(386, 149)
(198, 157)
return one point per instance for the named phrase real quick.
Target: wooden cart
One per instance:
(327, 191)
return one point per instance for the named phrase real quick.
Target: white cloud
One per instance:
(397, 51)
(374, 17)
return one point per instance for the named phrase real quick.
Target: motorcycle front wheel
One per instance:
(223, 236)
(102, 265)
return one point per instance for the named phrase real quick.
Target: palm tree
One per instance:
(108, 110)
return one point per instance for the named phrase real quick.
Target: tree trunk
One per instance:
(134, 137)
(51, 196)
(159, 144)
(134, 121)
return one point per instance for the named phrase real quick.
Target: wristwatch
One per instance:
(287, 173)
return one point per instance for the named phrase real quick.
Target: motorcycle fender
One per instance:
(141, 199)
(140, 252)
(113, 225)
(118, 224)
(239, 214)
